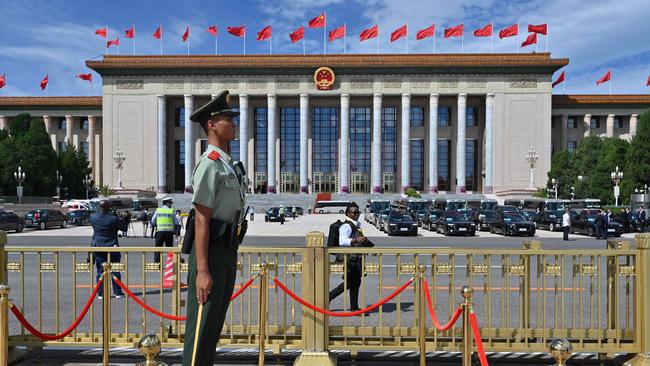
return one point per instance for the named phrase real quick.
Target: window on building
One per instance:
(389, 140)
(290, 140)
(180, 148)
(417, 164)
(360, 122)
(234, 144)
(444, 156)
(472, 117)
(179, 117)
(62, 146)
(325, 133)
(444, 116)
(571, 122)
(571, 146)
(417, 117)
(261, 134)
(595, 123)
(618, 123)
(179, 165)
(471, 178)
(83, 124)
(62, 124)
(85, 147)
(553, 148)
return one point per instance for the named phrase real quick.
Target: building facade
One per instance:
(341, 123)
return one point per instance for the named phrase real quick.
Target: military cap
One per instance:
(217, 106)
(167, 199)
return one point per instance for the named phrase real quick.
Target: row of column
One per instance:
(344, 154)
(609, 127)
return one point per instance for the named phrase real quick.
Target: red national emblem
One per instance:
(324, 78)
(213, 155)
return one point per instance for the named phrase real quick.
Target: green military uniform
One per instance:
(220, 184)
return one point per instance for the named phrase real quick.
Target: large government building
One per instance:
(335, 123)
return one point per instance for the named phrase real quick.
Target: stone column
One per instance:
(270, 159)
(47, 121)
(344, 166)
(610, 125)
(91, 145)
(304, 121)
(162, 144)
(189, 142)
(460, 143)
(375, 162)
(243, 130)
(69, 124)
(634, 120)
(406, 141)
(565, 132)
(586, 125)
(4, 123)
(433, 143)
(489, 143)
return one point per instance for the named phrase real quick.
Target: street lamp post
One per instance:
(532, 158)
(119, 159)
(59, 179)
(573, 193)
(86, 182)
(554, 182)
(617, 176)
(20, 178)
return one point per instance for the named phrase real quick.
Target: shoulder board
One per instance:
(213, 155)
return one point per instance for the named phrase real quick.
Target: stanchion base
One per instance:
(312, 358)
(16, 355)
(151, 363)
(641, 359)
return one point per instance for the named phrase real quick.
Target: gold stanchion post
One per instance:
(422, 320)
(262, 306)
(466, 291)
(106, 314)
(561, 350)
(4, 325)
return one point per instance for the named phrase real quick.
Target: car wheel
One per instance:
(590, 232)
(320, 211)
(551, 226)
(42, 225)
(82, 222)
(341, 212)
(491, 229)
(19, 228)
(64, 223)
(266, 219)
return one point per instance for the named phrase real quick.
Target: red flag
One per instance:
(426, 32)
(101, 32)
(265, 33)
(186, 35)
(212, 30)
(237, 31)
(456, 31)
(158, 33)
(44, 82)
(484, 32)
(605, 78)
(297, 35)
(318, 22)
(541, 28)
(114, 42)
(531, 39)
(510, 31)
(369, 33)
(3, 81)
(559, 80)
(130, 33)
(400, 32)
(337, 33)
(87, 77)
(646, 84)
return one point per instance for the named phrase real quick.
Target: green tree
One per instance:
(562, 170)
(73, 167)
(411, 192)
(637, 169)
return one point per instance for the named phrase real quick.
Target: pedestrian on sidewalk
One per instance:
(566, 224)
(144, 218)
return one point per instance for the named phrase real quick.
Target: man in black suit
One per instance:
(643, 218)
(105, 228)
(600, 226)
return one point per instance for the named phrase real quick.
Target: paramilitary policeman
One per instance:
(219, 186)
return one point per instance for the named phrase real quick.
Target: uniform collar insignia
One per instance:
(214, 155)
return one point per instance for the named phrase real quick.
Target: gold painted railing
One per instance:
(523, 297)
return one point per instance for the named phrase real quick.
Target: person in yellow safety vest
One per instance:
(164, 220)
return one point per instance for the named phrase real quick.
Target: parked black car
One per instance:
(273, 214)
(507, 209)
(9, 221)
(45, 219)
(483, 219)
(400, 223)
(630, 224)
(79, 217)
(550, 220)
(512, 224)
(421, 215)
(429, 222)
(381, 218)
(585, 223)
(530, 215)
(455, 223)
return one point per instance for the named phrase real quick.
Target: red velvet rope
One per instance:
(242, 289)
(477, 339)
(337, 313)
(432, 311)
(54, 337)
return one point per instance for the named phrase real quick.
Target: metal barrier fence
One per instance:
(523, 298)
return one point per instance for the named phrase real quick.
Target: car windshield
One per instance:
(417, 206)
(489, 214)
(379, 206)
(554, 206)
(401, 218)
(513, 218)
(488, 205)
(456, 218)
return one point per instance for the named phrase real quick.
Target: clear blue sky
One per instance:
(57, 37)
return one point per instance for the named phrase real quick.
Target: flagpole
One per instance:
(407, 40)
(547, 33)
(462, 42)
(106, 40)
(434, 40)
(270, 45)
(610, 85)
(216, 44)
(492, 37)
(517, 42)
(324, 32)
(91, 87)
(244, 39)
(303, 45)
(345, 39)
(133, 39)
(161, 38)
(188, 41)
(377, 44)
